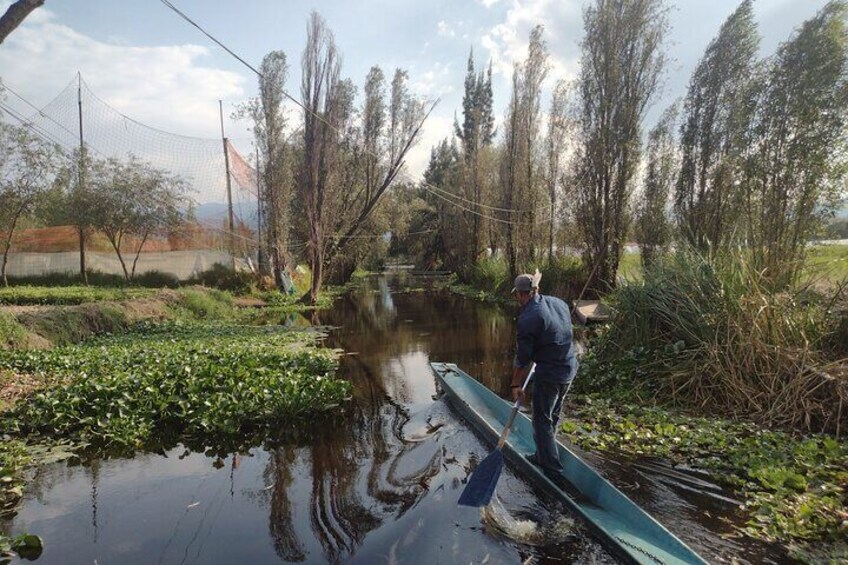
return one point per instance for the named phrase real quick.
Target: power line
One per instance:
(401, 173)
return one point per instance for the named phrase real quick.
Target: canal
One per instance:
(375, 484)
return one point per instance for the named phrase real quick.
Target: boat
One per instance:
(592, 312)
(625, 529)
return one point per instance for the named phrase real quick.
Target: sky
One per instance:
(145, 61)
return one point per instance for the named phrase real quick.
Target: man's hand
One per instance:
(518, 394)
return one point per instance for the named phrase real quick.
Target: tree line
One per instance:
(753, 156)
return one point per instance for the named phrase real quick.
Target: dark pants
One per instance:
(547, 404)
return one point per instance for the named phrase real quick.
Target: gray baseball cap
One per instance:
(523, 283)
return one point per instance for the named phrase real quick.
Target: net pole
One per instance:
(231, 220)
(81, 181)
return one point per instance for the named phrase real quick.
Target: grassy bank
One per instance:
(68, 295)
(793, 485)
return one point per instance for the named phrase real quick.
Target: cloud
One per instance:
(507, 41)
(489, 3)
(435, 81)
(167, 87)
(444, 29)
(436, 128)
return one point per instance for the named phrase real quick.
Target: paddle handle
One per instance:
(514, 411)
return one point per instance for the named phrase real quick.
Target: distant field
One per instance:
(824, 262)
(829, 262)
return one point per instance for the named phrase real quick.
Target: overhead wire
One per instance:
(422, 183)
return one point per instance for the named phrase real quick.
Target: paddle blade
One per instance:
(481, 486)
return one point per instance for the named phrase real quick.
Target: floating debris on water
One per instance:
(497, 520)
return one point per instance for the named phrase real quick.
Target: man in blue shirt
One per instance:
(544, 338)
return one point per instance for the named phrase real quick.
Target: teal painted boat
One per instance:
(626, 530)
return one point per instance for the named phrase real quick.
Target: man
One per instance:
(544, 338)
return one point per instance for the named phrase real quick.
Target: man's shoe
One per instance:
(533, 459)
(557, 478)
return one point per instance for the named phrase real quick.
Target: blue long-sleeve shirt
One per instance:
(545, 337)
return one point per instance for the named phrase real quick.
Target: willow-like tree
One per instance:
(338, 189)
(621, 68)
(132, 199)
(797, 173)
(707, 200)
(27, 170)
(653, 229)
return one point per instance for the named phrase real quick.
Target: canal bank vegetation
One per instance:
(793, 485)
(765, 374)
(193, 379)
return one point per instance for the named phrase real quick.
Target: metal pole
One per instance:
(229, 187)
(81, 179)
(259, 254)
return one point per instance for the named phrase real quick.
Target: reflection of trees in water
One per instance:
(280, 466)
(364, 471)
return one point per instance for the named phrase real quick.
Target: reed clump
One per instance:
(715, 335)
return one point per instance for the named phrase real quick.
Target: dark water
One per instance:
(378, 484)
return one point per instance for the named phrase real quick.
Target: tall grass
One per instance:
(711, 334)
(564, 277)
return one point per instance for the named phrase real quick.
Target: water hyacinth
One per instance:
(195, 379)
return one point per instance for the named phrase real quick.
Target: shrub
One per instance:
(12, 334)
(224, 278)
(205, 303)
(710, 334)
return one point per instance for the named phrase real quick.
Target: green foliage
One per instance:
(198, 380)
(27, 546)
(794, 485)
(711, 334)
(203, 304)
(12, 334)
(152, 279)
(35, 295)
(224, 278)
(63, 326)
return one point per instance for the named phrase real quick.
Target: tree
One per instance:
(267, 113)
(653, 231)
(795, 175)
(706, 198)
(27, 170)
(15, 14)
(558, 133)
(132, 198)
(520, 183)
(338, 193)
(475, 136)
(621, 70)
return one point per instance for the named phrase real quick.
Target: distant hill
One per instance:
(216, 212)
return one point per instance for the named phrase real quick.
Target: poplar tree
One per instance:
(653, 229)
(520, 181)
(621, 70)
(714, 117)
(475, 136)
(267, 113)
(796, 174)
